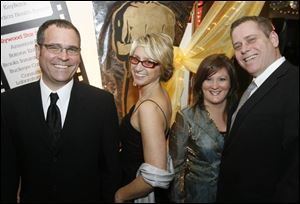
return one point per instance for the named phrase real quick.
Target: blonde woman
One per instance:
(146, 165)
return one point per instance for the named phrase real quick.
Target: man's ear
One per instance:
(37, 51)
(274, 38)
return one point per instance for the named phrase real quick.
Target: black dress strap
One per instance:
(158, 107)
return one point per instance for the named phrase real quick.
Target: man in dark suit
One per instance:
(260, 161)
(82, 165)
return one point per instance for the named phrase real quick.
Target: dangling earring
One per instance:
(134, 84)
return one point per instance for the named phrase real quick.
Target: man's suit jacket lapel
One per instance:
(35, 103)
(256, 97)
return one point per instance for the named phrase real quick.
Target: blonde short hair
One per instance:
(159, 47)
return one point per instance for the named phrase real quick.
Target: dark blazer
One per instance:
(260, 160)
(85, 165)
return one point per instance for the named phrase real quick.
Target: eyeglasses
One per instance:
(57, 49)
(146, 63)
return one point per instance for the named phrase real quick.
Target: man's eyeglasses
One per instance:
(146, 63)
(57, 49)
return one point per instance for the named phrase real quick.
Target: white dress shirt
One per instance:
(64, 94)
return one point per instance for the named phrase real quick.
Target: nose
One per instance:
(245, 48)
(138, 67)
(214, 84)
(63, 54)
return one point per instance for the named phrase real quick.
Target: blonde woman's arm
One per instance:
(151, 124)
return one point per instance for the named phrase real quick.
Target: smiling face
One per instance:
(143, 76)
(216, 87)
(254, 51)
(58, 69)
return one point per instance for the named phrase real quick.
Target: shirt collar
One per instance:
(270, 69)
(63, 93)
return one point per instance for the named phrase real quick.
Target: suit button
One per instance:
(54, 159)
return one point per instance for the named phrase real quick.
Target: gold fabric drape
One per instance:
(212, 36)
